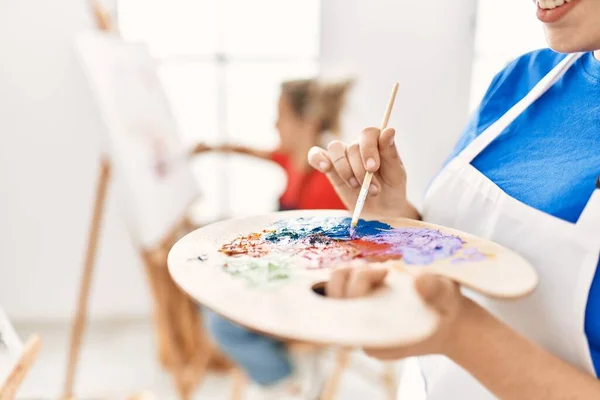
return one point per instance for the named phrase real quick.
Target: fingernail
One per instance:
(392, 142)
(323, 165)
(371, 163)
(373, 189)
(354, 183)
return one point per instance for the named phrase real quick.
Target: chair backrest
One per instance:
(11, 347)
(147, 154)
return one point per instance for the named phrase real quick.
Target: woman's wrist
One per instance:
(404, 210)
(409, 211)
(474, 327)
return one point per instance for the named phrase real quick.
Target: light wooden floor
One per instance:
(119, 359)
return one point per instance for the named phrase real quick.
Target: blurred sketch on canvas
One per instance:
(144, 144)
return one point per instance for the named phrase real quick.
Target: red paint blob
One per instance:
(376, 252)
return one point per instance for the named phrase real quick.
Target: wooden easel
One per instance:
(8, 390)
(182, 346)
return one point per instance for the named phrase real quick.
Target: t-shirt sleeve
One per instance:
(327, 196)
(279, 158)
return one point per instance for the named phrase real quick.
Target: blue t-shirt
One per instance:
(549, 157)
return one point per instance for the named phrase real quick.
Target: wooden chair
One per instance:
(12, 383)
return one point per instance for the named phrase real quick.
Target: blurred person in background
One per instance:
(309, 114)
(309, 110)
(525, 174)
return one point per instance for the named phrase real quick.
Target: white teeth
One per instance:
(551, 4)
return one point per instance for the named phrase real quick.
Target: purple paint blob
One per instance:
(419, 245)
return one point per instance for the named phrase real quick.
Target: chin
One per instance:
(565, 41)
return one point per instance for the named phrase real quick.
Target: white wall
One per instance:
(496, 46)
(50, 133)
(428, 48)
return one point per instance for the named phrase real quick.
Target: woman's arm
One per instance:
(505, 362)
(511, 366)
(231, 148)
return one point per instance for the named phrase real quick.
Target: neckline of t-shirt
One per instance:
(591, 66)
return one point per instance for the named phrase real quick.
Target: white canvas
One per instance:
(147, 155)
(11, 347)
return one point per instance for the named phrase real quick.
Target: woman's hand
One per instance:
(346, 166)
(439, 293)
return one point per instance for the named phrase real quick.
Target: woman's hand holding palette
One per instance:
(261, 271)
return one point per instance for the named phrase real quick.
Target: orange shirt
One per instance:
(306, 190)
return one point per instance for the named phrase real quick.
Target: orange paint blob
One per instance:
(376, 252)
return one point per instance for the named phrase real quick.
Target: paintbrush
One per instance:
(364, 190)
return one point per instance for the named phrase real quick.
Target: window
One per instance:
(505, 30)
(221, 62)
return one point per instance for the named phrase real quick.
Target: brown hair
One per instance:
(324, 101)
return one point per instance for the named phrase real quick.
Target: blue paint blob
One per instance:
(337, 228)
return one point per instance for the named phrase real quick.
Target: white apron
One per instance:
(565, 256)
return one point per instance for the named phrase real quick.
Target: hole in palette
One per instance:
(319, 288)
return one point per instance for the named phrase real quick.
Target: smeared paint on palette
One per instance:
(317, 242)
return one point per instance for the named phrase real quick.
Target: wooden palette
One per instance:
(393, 315)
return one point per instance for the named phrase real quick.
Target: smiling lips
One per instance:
(549, 11)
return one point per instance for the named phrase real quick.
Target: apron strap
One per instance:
(483, 140)
(589, 220)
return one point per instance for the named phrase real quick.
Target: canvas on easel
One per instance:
(155, 179)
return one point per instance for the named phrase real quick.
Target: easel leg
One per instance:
(390, 380)
(161, 312)
(77, 329)
(332, 385)
(239, 384)
(172, 355)
(15, 378)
